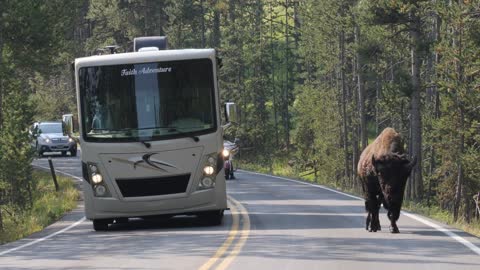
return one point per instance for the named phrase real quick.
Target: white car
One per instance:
(51, 137)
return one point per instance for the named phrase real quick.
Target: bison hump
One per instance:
(387, 143)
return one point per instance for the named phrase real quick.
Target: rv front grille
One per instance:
(140, 187)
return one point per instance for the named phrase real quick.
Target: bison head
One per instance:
(392, 172)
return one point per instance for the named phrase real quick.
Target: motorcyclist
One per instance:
(229, 149)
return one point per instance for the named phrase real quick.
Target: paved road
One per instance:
(274, 224)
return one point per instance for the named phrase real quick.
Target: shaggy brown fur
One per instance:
(389, 141)
(383, 170)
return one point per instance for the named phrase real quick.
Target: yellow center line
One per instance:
(242, 239)
(231, 236)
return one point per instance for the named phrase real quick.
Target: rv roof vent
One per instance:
(148, 49)
(159, 42)
(112, 48)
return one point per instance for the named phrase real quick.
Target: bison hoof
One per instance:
(394, 229)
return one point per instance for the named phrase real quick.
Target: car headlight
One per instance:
(225, 152)
(70, 140)
(47, 140)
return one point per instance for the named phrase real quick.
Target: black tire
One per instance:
(64, 153)
(227, 174)
(212, 218)
(100, 224)
(73, 152)
(39, 151)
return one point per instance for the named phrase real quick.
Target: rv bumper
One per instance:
(104, 208)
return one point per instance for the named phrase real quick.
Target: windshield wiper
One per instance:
(194, 138)
(147, 144)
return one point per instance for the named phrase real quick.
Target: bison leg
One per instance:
(375, 218)
(372, 205)
(393, 215)
(368, 222)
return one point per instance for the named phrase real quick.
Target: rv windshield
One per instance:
(147, 101)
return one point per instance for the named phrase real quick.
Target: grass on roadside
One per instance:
(280, 167)
(48, 207)
(436, 213)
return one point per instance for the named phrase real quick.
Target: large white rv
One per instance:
(151, 135)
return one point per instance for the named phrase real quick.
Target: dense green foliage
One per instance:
(35, 48)
(315, 81)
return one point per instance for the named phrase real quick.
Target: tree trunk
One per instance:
(377, 107)
(354, 128)
(1, 220)
(361, 92)
(1, 74)
(297, 24)
(216, 27)
(344, 104)
(460, 188)
(146, 19)
(274, 91)
(285, 110)
(436, 105)
(411, 180)
(416, 118)
(1, 111)
(202, 13)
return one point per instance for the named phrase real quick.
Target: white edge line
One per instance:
(64, 173)
(439, 228)
(44, 238)
(55, 233)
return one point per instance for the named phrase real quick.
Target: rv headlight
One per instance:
(100, 190)
(207, 182)
(208, 170)
(225, 152)
(97, 178)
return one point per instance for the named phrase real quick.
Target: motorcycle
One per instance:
(229, 150)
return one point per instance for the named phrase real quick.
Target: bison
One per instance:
(383, 170)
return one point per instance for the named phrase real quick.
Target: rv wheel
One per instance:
(211, 217)
(100, 224)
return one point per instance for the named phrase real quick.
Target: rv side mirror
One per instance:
(231, 112)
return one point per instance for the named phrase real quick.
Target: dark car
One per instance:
(51, 136)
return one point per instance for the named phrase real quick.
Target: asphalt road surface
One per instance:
(274, 223)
